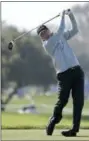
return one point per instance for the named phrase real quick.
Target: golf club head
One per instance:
(10, 45)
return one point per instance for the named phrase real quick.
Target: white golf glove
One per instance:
(67, 12)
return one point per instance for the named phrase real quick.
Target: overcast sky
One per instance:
(27, 15)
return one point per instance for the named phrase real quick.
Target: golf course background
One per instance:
(28, 65)
(31, 126)
(11, 119)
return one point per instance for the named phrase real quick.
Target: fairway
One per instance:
(30, 126)
(83, 135)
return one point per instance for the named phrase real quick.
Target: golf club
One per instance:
(11, 44)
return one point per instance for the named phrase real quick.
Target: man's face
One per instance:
(45, 34)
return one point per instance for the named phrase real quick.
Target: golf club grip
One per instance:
(35, 28)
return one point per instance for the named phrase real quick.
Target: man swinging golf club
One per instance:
(70, 75)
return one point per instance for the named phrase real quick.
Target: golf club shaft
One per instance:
(34, 28)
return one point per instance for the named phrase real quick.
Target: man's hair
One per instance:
(41, 28)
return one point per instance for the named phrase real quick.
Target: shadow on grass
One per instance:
(84, 136)
(73, 137)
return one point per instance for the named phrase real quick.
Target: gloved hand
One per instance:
(68, 11)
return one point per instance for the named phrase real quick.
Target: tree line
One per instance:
(28, 63)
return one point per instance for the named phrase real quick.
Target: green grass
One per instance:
(15, 120)
(49, 100)
(40, 135)
(37, 121)
(39, 101)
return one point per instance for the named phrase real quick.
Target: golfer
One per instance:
(70, 75)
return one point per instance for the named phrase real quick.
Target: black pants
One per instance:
(72, 79)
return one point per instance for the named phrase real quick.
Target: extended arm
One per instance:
(70, 33)
(62, 24)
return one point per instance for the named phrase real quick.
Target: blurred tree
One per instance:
(28, 64)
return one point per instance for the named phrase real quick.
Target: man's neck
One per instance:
(48, 37)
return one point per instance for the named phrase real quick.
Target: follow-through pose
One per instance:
(70, 76)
